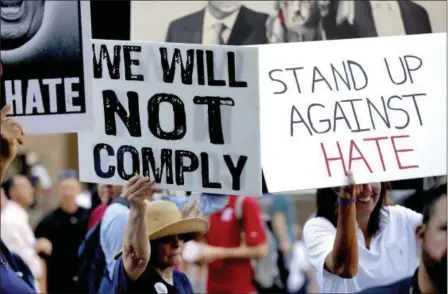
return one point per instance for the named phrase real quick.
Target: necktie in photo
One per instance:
(219, 29)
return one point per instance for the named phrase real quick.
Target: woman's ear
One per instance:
(420, 233)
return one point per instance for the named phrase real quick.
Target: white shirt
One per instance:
(299, 264)
(18, 236)
(84, 200)
(209, 26)
(386, 16)
(393, 253)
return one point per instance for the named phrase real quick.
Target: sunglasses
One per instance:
(172, 238)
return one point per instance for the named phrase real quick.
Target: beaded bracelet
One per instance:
(343, 201)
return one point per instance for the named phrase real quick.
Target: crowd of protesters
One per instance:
(140, 239)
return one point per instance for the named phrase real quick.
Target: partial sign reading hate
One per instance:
(186, 116)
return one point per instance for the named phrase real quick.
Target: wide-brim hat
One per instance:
(163, 219)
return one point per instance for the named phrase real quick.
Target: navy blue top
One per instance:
(404, 286)
(149, 282)
(12, 278)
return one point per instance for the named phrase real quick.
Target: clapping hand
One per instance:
(12, 134)
(138, 190)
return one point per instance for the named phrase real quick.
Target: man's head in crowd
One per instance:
(69, 186)
(222, 9)
(107, 193)
(20, 21)
(432, 236)
(20, 190)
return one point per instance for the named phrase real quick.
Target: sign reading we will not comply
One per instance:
(187, 116)
(376, 106)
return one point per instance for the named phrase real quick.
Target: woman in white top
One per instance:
(356, 242)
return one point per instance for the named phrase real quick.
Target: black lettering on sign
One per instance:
(206, 173)
(181, 166)
(135, 161)
(316, 79)
(113, 67)
(211, 70)
(97, 160)
(321, 121)
(400, 110)
(180, 117)
(296, 78)
(128, 62)
(352, 65)
(214, 115)
(166, 164)
(293, 121)
(355, 114)
(406, 70)
(235, 171)
(384, 117)
(285, 87)
(233, 83)
(113, 106)
(200, 67)
(341, 117)
(169, 71)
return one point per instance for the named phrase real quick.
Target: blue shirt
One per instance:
(404, 286)
(285, 205)
(149, 282)
(10, 281)
(113, 226)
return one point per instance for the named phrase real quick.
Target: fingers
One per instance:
(5, 110)
(18, 125)
(136, 185)
(142, 189)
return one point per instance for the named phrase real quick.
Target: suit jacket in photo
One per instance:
(249, 28)
(415, 19)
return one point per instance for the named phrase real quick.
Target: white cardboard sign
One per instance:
(187, 116)
(46, 53)
(376, 106)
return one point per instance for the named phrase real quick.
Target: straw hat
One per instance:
(163, 219)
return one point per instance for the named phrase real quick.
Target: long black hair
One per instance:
(326, 202)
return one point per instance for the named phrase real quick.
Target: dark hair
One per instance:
(8, 185)
(431, 197)
(326, 202)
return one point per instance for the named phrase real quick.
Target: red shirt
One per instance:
(234, 275)
(96, 216)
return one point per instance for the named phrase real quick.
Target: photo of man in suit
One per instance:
(222, 23)
(384, 18)
(306, 20)
(20, 21)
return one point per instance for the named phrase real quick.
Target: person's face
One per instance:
(433, 239)
(324, 7)
(169, 250)
(69, 188)
(225, 7)
(367, 199)
(108, 192)
(20, 21)
(22, 191)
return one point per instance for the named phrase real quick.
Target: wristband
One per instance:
(343, 201)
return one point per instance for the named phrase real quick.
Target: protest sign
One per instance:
(376, 106)
(187, 116)
(47, 64)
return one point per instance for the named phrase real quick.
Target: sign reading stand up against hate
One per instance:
(45, 51)
(186, 116)
(376, 106)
